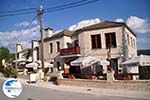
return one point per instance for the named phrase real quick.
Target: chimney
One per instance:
(48, 32)
(19, 47)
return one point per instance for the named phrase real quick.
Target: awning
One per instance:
(20, 60)
(88, 61)
(32, 65)
(37, 64)
(142, 60)
(46, 64)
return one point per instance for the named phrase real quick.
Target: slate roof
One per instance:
(105, 24)
(60, 34)
(101, 25)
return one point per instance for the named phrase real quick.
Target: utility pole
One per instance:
(15, 43)
(40, 14)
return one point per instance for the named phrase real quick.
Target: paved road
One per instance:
(31, 92)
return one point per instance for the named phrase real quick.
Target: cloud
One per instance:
(84, 23)
(23, 24)
(141, 27)
(25, 44)
(119, 20)
(35, 22)
(23, 37)
(26, 23)
(138, 25)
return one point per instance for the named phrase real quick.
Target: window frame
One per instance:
(50, 48)
(111, 38)
(57, 46)
(96, 41)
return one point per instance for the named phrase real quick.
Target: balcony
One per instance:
(70, 51)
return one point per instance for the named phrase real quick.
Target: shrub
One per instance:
(14, 72)
(7, 72)
(1, 68)
(10, 72)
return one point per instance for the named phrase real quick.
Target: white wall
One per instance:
(85, 43)
(48, 33)
(34, 45)
(19, 48)
(132, 49)
(63, 44)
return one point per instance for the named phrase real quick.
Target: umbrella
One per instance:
(142, 60)
(32, 65)
(20, 60)
(37, 64)
(87, 61)
(46, 64)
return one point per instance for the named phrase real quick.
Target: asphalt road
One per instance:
(31, 92)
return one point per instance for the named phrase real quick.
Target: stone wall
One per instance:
(139, 85)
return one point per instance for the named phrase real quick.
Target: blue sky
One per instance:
(134, 12)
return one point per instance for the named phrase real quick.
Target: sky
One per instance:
(135, 13)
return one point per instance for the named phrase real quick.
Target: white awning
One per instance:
(46, 64)
(142, 60)
(87, 61)
(32, 65)
(20, 60)
(37, 64)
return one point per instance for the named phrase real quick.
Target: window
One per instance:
(37, 48)
(58, 66)
(18, 56)
(58, 46)
(110, 40)
(128, 39)
(76, 43)
(50, 48)
(131, 41)
(114, 65)
(69, 45)
(134, 44)
(96, 41)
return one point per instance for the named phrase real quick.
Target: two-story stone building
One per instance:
(105, 40)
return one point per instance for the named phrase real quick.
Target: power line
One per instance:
(70, 5)
(27, 26)
(52, 9)
(16, 11)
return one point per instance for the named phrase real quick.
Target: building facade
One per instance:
(113, 41)
(28, 55)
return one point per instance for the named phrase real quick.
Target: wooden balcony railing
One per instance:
(70, 51)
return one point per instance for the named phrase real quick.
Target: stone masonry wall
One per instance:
(139, 85)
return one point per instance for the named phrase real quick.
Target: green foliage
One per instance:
(143, 52)
(1, 68)
(10, 72)
(14, 72)
(7, 72)
(145, 71)
(12, 56)
(4, 53)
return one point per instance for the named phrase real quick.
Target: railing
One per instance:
(70, 51)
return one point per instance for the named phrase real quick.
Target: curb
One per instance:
(87, 90)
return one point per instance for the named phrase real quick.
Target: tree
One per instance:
(4, 53)
(12, 56)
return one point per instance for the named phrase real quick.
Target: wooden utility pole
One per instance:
(40, 14)
(15, 43)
